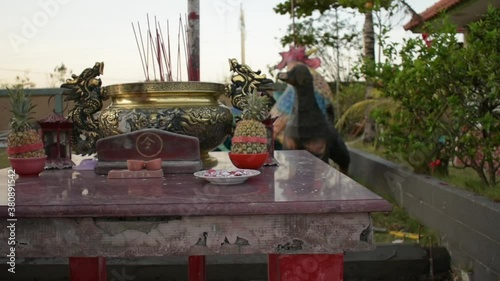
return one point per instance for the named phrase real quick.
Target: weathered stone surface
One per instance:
(197, 235)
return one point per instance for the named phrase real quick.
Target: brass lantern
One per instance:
(56, 130)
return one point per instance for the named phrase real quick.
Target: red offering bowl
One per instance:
(28, 166)
(154, 164)
(135, 165)
(248, 161)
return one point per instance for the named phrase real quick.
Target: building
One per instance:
(461, 13)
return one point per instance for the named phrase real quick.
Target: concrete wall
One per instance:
(469, 225)
(46, 100)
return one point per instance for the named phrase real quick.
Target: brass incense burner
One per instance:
(189, 108)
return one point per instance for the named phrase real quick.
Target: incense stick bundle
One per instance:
(155, 53)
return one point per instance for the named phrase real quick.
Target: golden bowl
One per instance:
(189, 108)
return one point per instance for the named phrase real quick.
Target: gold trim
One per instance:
(164, 94)
(193, 87)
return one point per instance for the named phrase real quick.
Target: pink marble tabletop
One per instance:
(300, 184)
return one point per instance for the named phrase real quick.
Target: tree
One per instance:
(21, 82)
(449, 98)
(329, 33)
(59, 75)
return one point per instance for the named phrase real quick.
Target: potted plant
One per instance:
(249, 142)
(24, 143)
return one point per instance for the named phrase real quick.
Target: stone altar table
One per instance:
(303, 213)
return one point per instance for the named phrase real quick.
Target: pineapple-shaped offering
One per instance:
(249, 142)
(24, 143)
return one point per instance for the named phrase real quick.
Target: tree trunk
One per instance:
(369, 57)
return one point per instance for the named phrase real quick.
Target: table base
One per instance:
(304, 267)
(87, 269)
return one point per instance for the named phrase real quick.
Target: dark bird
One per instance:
(308, 128)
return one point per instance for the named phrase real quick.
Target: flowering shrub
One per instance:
(448, 98)
(480, 158)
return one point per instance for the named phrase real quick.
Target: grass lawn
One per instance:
(468, 179)
(398, 225)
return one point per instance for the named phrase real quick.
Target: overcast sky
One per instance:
(37, 35)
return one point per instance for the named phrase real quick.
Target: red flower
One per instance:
(435, 163)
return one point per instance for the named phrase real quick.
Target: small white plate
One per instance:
(226, 177)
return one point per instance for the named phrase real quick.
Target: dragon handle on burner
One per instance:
(244, 82)
(85, 91)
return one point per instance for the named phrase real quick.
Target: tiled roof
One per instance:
(432, 12)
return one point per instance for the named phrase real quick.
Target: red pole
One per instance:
(193, 40)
